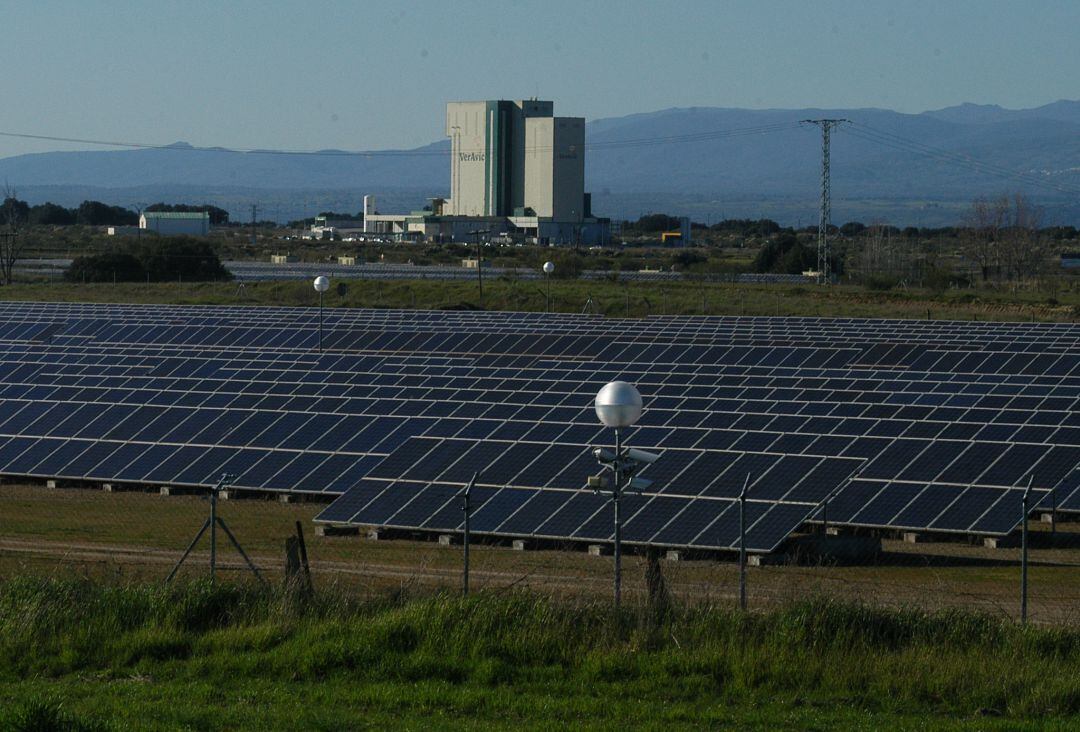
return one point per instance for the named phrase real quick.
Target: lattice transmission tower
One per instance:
(824, 252)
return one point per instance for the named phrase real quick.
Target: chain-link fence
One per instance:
(140, 535)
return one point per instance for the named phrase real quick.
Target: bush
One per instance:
(193, 259)
(109, 267)
(159, 259)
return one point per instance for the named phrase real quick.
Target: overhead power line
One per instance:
(956, 159)
(600, 145)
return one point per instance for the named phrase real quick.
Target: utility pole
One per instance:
(823, 253)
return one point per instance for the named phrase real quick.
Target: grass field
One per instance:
(614, 299)
(139, 536)
(90, 655)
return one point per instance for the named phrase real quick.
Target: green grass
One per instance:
(82, 655)
(613, 299)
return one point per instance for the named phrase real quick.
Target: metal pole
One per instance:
(303, 556)
(1053, 511)
(320, 322)
(615, 495)
(213, 531)
(479, 271)
(548, 278)
(742, 543)
(466, 508)
(1024, 553)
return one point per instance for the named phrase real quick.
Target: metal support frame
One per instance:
(835, 492)
(212, 522)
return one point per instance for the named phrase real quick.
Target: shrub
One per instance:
(159, 259)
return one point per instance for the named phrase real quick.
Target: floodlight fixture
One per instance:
(322, 284)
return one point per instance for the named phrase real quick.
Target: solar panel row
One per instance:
(940, 424)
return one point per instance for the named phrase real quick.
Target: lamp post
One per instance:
(479, 269)
(549, 267)
(618, 405)
(322, 284)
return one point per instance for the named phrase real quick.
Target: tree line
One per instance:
(655, 223)
(96, 213)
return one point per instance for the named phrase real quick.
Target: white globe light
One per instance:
(618, 404)
(322, 283)
(549, 267)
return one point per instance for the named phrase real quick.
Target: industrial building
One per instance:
(169, 223)
(516, 172)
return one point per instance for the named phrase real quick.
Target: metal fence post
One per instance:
(213, 530)
(616, 494)
(742, 543)
(1024, 553)
(466, 507)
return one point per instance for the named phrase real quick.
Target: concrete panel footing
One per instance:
(1001, 542)
(447, 539)
(763, 560)
(599, 550)
(331, 530)
(519, 545)
(673, 555)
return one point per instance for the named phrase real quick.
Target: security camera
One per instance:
(642, 456)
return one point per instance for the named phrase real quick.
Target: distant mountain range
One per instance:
(707, 162)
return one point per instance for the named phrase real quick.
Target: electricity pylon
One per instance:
(824, 253)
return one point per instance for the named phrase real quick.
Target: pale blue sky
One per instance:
(377, 74)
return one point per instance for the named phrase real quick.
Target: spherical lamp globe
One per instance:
(322, 283)
(618, 404)
(549, 267)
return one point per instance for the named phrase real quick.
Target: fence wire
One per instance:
(140, 536)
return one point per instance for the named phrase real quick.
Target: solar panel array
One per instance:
(897, 424)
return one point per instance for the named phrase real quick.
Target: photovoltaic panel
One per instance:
(956, 415)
